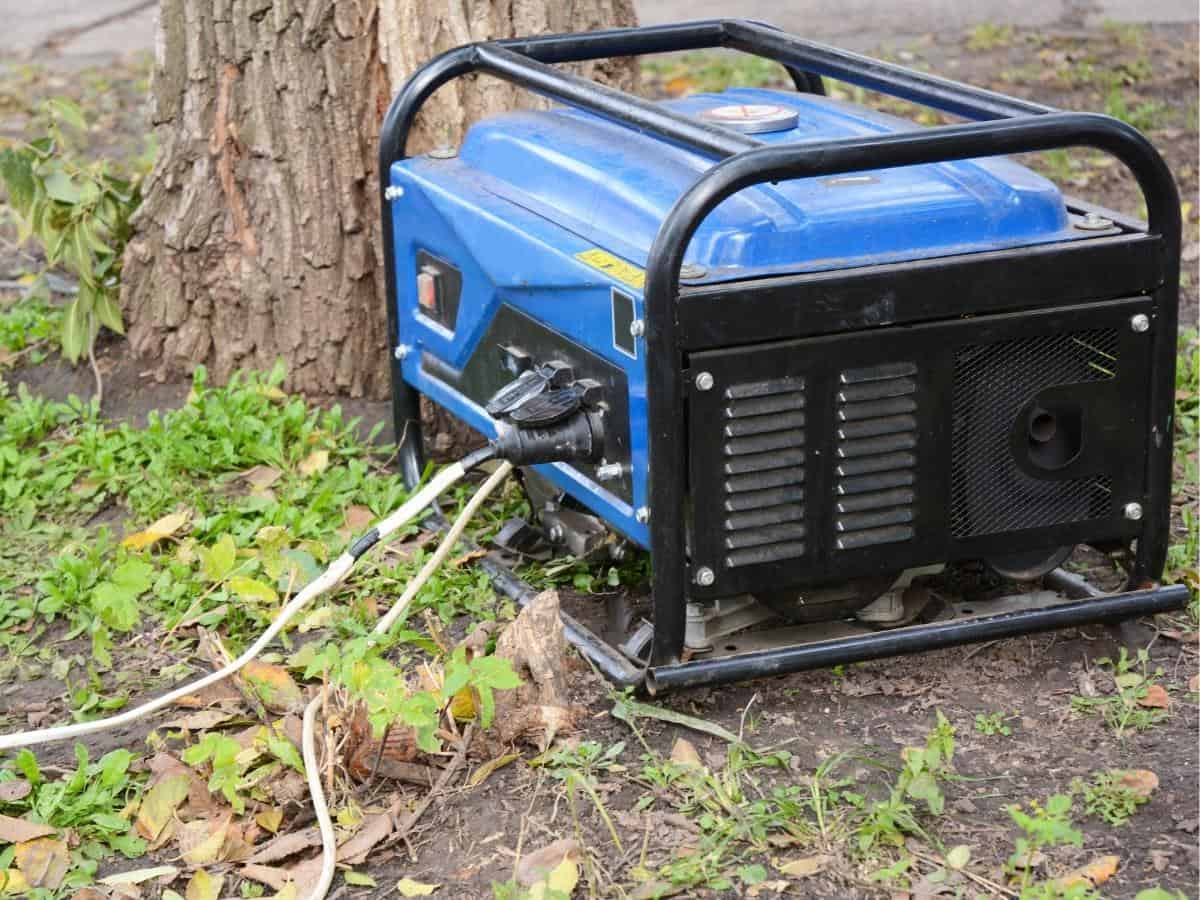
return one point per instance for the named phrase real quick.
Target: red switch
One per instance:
(427, 293)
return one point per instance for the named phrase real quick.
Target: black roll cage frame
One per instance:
(1000, 125)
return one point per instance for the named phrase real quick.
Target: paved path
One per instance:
(855, 23)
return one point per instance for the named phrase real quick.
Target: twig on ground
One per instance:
(978, 879)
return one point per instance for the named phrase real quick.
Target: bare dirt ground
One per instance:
(470, 837)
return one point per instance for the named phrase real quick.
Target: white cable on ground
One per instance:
(448, 542)
(328, 579)
(312, 772)
(308, 735)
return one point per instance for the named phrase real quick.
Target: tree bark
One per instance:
(258, 235)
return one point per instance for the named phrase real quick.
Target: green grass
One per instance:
(237, 552)
(989, 36)
(1182, 556)
(688, 73)
(29, 331)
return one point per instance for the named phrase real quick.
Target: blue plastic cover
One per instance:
(612, 186)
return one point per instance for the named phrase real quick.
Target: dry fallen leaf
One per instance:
(538, 865)
(159, 805)
(270, 819)
(271, 876)
(315, 462)
(16, 831)
(374, 829)
(200, 841)
(273, 685)
(12, 882)
(409, 888)
(1194, 684)
(805, 865)
(260, 478)
(12, 791)
(203, 886)
(1093, 874)
(44, 862)
(480, 775)
(1142, 782)
(163, 528)
(684, 753)
(286, 845)
(1156, 697)
(559, 883)
(137, 876)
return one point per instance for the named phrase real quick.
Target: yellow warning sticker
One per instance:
(613, 267)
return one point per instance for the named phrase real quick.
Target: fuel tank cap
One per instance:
(752, 118)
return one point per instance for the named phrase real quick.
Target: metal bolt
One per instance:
(1133, 511)
(556, 533)
(401, 352)
(393, 192)
(1140, 323)
(704, 381)
(642, 515)
(705, 576)
(1093, 222)
(607, 471)
(691, 272)
(637, 328)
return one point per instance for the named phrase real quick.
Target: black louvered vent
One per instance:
(763, 471)
(876, 455)
(992, 382)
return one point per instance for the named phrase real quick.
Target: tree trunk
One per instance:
(258, 236)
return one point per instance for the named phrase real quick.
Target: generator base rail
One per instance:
(680, 319)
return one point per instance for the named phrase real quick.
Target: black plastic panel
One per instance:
(916, 445)
(514, 339)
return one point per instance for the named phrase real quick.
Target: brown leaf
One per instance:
(805, 865)
(684, 753)
(17, 831)
(200, 842)
(261, 477)
(374, 829)
(315, 462)
(12, 791)
(538, 865)
(1194, 684)
(1156, 697)
(271, 876)
(1142, 782)
(1093, 874)
(286, 845)
(43, 861)
(358, 518)
(270, 819)
(273, 685)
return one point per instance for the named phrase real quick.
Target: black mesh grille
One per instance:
(763, 471)
(992, 383)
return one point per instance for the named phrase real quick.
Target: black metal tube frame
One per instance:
(1004, 125)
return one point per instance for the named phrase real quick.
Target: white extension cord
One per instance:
(331, 577)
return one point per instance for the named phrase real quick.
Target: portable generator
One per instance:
(806, 354)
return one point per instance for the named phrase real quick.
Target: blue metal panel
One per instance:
(509, 256)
